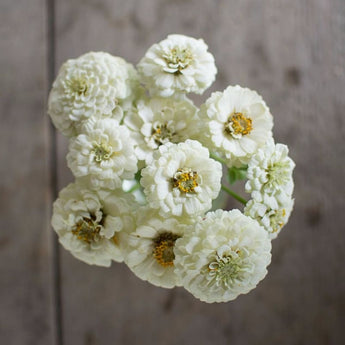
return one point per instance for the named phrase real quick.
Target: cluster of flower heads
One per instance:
(137, 127)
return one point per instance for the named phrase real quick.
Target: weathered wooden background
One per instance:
(293, 53)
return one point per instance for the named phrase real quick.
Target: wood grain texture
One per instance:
(291, 52)
(26, 313)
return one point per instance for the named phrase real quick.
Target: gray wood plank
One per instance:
(26, 313)
(292, 52)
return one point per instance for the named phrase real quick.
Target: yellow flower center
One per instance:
(88, 229)
(185, 180)
(162, 134)
(163, 250)
(238, 125)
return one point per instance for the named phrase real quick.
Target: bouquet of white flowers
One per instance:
(148, 164)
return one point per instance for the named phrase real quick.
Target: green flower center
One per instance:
(186, 180)
(278, 174)
(238, 125)
(163, 250)
(178, 59)
(226, 269)
(78, 85)
(101, 152)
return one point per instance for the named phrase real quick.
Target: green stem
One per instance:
(134, 188)
(234, 195)
(216, 158)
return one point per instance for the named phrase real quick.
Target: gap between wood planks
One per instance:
(50, 8)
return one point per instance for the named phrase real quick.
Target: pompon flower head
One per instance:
(235, 123)
(105, 153)
(88, 222)
(226, 255)
(158, 121)
(272, 211)
(181, 180)
(271, 215)
(177, 65)
(270, 170)
(91, 85)
(149, 250)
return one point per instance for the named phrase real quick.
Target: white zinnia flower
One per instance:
(270, 170)
(91, 85)
(235, 123)
(182, 180)
(88, 222)
(149, 250)
(177, 65)
(272, 216)
(105, 153)
(226, 255)
(158, 121)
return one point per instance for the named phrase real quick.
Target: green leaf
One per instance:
(137, 175)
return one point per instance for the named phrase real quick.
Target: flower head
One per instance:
(270, 170)
(88, 223)
(235, 123)
(91, 85)
(159, 121)
(224, 256)
(181, 180)
(105, 153)
(177, 65)
(149, 250)
(270, 212)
